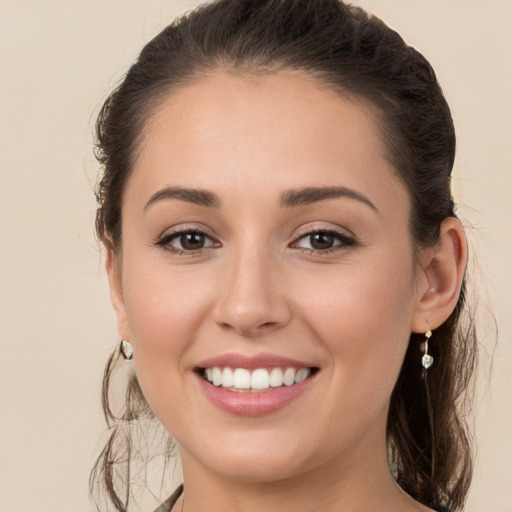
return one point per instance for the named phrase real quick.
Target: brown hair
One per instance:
(358, 55)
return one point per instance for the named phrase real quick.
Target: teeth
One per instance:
(302, 374)
(227, 378)
(217, 376)
(261, 378)
(241, 379)
(276, 378)
(289, 376)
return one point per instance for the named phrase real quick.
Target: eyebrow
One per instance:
(191, 195)
(289, 198)
(310, 195)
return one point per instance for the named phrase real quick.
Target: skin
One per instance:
(257, 287)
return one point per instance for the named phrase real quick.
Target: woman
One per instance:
(285, 263)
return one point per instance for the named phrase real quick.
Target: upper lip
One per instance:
(251, 362)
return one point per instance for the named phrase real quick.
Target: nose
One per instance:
(252, 299)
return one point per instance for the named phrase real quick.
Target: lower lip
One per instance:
(253, 404)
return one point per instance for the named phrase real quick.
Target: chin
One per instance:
(257, 458)
(258, 469)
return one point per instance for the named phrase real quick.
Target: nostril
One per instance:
(251, 309)
(249, 329)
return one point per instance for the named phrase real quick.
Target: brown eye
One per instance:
(321, 241)
(186, 241)
(192, 241)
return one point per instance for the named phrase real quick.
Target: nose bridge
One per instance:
(252, 299)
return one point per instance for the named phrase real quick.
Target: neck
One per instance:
(355, 482)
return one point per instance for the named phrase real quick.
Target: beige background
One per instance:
(58, 61)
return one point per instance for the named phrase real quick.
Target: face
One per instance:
(265, 235)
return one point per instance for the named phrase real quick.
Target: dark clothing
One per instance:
(167, 505)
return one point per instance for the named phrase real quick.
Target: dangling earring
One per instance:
(427, 360)
(126, 350)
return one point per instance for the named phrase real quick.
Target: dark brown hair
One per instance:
(357, 55)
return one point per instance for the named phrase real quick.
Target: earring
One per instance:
(126, 350)
(427, 360)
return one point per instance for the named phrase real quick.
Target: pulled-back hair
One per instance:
(357, 55)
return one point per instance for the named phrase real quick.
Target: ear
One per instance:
(112, 265)
(442, 271)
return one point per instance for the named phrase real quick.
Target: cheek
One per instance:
(165, 309)
(163, 305)
(362, 315)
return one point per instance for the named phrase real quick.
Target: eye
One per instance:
(186, 241)
(324, 241)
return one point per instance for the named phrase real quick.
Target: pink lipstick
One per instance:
(253, 385)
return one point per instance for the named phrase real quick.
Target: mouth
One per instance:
(255, 380)
(256, 384)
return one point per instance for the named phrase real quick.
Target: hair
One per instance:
(356, 54)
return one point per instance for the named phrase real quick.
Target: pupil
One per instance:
(321, 241)
(191, 241)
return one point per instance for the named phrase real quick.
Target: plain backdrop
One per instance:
(59, 59)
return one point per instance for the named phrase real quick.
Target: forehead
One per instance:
(274, 131)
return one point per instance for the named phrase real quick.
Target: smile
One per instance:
(254, 386)
(255, 380)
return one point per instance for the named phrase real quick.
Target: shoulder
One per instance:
(167, 505)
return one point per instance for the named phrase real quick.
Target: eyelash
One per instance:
(346, 241)
(166, 239)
